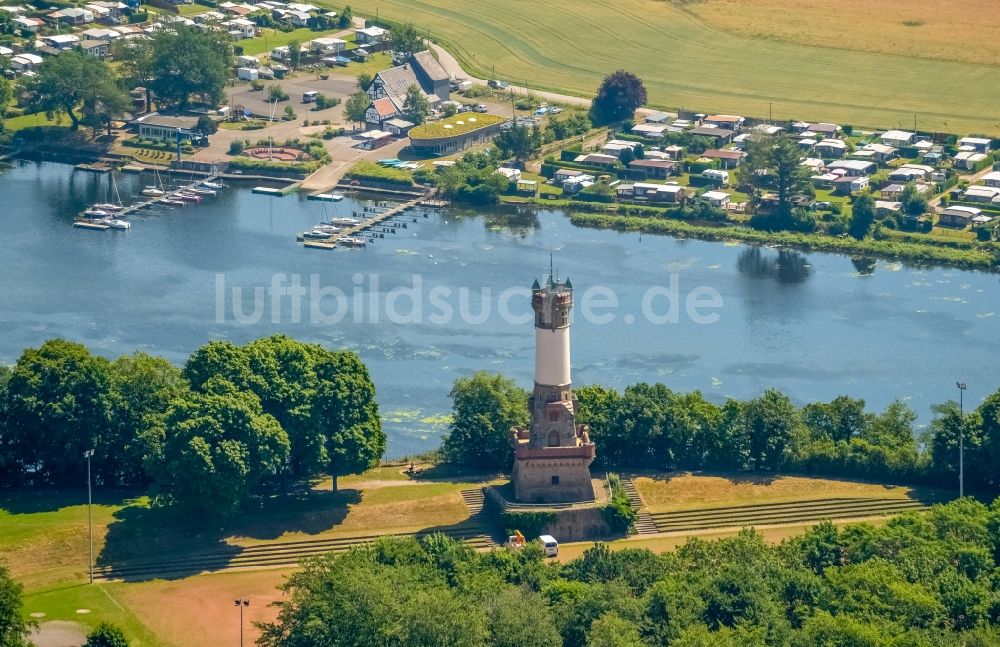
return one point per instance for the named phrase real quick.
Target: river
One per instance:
(813, 325)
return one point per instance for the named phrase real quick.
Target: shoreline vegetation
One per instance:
(970, 256)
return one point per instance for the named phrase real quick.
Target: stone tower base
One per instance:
(552, 480)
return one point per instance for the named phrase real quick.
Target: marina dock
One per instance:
(373, 220)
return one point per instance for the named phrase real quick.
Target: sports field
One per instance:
(569, 45)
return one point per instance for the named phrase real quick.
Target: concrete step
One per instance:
(633, 494)
(270, 555)
(645, 525)
(770, 508)
(761, 515)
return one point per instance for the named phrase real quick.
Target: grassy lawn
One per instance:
(684, 61)
(375, 64)
(62, 601)
(687, 491)
(915, 28)
(271, 38)
(14, 124)
(192, 9)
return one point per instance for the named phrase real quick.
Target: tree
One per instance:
(862, 216)
(142, 388)
(415, 105)
(519, 142)
(190, 63)
(14, 628)
(58, 406)
(404, 39)
(619, 96)
(356, 106)
(771, 422)
(106, 635)
(346, 16)
(627, 156)
(134, 57)
(344, 407)
(914, 202)
(485, 408)
(449, 110)
(6, 96)
(294, 54)
(75, 81)
(612, 630)
(219, 445)
(365, 81)
(790, 177)
(207, 125)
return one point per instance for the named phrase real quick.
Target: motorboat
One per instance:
(96, 213)
(327, 197)
(213, 185)
(343, 222)
(318, 234)
(205, 192)
(188, 197)
(153, 192)
(173, 203)
(351, 241)
(117, 223)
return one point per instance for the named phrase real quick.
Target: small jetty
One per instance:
(351, 235)
(325, 197)
(112, 216)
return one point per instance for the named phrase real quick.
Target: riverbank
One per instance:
(972, 256)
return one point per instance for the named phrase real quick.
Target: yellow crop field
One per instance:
(688, 62)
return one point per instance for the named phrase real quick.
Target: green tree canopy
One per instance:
(519, 142)
(356, 106)
(415, 105)
(14, 628)
(58, 405)
(190, 64)
(485, 408)
(134, 57)
(862, 216)
(619, 96)
(75, 81)
(106, 635)
(218, 446)
(404, 39)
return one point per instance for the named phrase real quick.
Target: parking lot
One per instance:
(256, 101)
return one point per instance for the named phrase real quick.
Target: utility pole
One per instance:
(961, 438)
(241, 603)
(90, 517)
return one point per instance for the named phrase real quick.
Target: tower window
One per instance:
(555, 480)
(553, 416)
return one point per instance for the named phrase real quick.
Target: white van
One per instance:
(549, 545)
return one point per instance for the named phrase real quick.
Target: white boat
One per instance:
(117, 223)
(326, 227)
(96, 213)
(351, 241)
(344, 222)
(319, 234)
(327, 197)
(153, 192)
(188, 197)
(107, 206)
(213, 185)
(173, 203)
(198, 191)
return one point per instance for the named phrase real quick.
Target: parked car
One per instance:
(549, 545)
(497, 85)
(480, 107)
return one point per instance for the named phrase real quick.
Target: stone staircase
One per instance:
(474, 500)
(644, 524)
(781, 513)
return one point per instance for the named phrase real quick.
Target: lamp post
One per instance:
(961, 438)
(241, 603)
(90, 517)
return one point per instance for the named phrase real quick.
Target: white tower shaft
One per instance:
(552, 356)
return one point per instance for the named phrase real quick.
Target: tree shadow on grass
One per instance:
(145, 543)
(37, 500)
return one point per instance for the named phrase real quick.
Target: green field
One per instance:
(568, 46)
